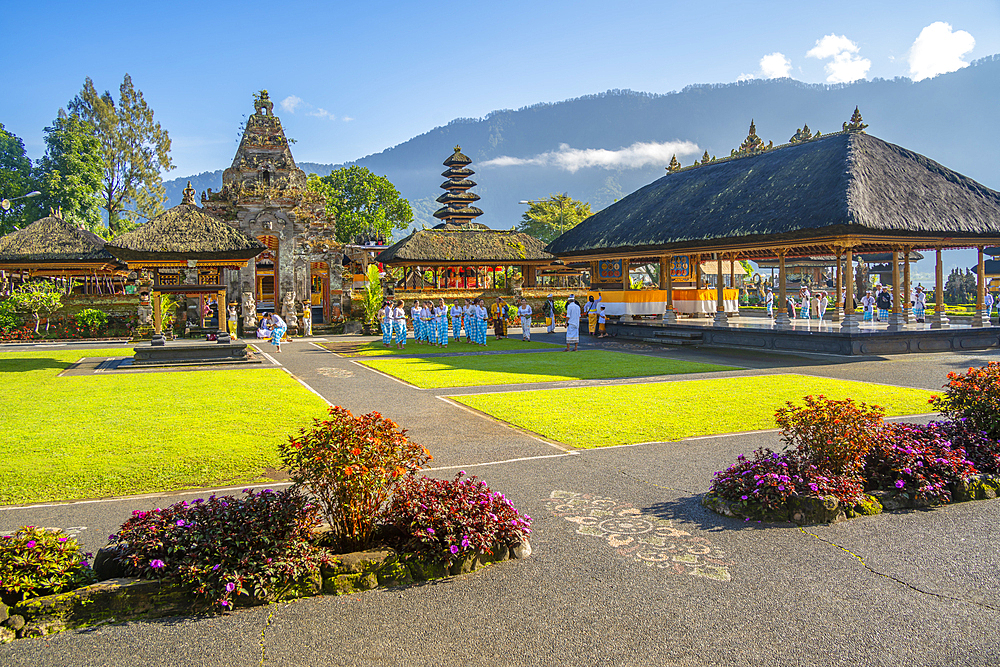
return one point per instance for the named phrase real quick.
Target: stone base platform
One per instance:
(823, 340)
(186, 354)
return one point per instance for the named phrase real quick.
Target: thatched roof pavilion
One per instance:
(185, 232)
(839, 194)
(52, 246)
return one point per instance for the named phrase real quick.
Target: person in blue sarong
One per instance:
(278, 329)
(442, 314)
(456, 312)
(385, 316)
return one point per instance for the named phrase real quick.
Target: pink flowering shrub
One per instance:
(980, 449)
(764, 483)
(917, 460)
(834, 435)
(37, 561)
(446, 520)
(224, 547)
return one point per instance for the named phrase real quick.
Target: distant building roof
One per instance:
(52, 239)
(465, 245)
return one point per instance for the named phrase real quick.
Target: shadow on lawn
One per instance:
(690, 510)
(27, 365)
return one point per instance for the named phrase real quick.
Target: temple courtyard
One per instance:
(619, 436)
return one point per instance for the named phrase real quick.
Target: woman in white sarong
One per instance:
(572, 323)
(524, 312)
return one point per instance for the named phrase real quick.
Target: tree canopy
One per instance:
(134, 149)
(361, 203)
(70, 173)
(15, 179)
(548, 218)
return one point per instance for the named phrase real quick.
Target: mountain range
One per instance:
(536, 151)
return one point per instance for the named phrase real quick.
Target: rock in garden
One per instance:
(521, 549)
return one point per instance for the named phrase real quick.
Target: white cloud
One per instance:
(321, 113)
(347, 119)
(570, 159)
(938, 50)
(290, 103)
(775, 66)
(846, 65)
(745, 77)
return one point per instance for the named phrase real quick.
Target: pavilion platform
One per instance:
(810, 336)
(191, 353)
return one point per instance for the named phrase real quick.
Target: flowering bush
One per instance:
(352, 465)
(38, 561)
(769, 479)
(975, 397)
(256, 545)
(833, 435)
(92, 319)
(981, 450)
(445, 520)
(917, 460)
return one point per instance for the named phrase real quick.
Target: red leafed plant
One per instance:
(445, 520)
(352, 466)
(973, 396)
(833, 435)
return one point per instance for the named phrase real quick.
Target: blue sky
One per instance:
(357, 78)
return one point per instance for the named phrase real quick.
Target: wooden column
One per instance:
(896, 315)
(732, 279)
(981, 317)
(697, 270)
(906, 284)
(781, 319)
(157, 337)
(664, 270)
(626, 281)
(850, 321)
(721, 318)
(940, 319)
(838, 285)
(669, 314)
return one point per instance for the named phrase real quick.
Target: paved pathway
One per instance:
(918, 588)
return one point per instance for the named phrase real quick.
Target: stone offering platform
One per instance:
(182, 353)
(811, 336)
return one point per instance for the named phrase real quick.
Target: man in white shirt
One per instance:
(572, 323)
(769, 303)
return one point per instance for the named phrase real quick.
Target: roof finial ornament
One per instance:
(458, 149)
(752, 145)
(674, 165)
(188, 195)
(261, 101)
(856, 124)
(804, 134)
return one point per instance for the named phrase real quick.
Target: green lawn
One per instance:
(107, 435)
(626, 414)
(475, 371)
(377, 349)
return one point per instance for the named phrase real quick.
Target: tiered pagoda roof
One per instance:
(457, 199)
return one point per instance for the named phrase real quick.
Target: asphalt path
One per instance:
(911, 587)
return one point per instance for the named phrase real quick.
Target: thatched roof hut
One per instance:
(51, 242)
(845, 189)
(461, 245)
(185, 232)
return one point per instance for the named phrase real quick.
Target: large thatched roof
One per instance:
(848, 183)
(465, 246)
(52, 240)
(185, 232)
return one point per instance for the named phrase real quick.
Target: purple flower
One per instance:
(63, 539)
(230, 587)
(156, 564)
(31, 544)
(215, 567)
(430, 531)
(453, 549)
(900, 483)
(180, 522)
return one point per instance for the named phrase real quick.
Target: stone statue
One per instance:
(288, 309)
(145, 312)
(248, 306)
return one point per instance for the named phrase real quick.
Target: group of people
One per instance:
(274, 328)
(431, 322)
(876, 304)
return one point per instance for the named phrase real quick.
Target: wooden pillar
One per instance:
(781, 319)
(940, 319)
(626, 281)
(850, 322)
(721, 318)
(664, 272)
(981, 318)
(669, 314)
(697, 271)
(896, 315)
(838, 286)
(906, 284)
(157, 314)
(732, 279)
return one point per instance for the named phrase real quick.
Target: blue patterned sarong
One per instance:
(804, 311)
(386, 332)
(276, 334)
(883, 314)
(443, 331)
(400, 329)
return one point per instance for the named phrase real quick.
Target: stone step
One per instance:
(678, 334)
